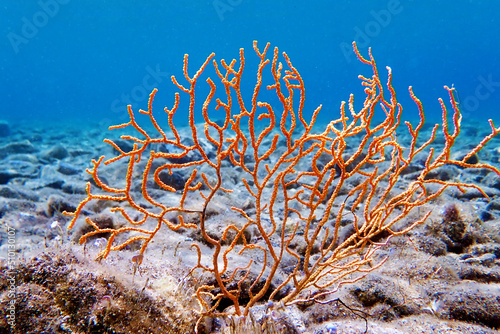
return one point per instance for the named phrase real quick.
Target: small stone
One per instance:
(57, 152)
(67, 169)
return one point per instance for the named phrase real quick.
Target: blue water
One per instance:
(81, 62)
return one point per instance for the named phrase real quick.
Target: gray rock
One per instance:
(74, 188)
(487, 248)
(375, 289)
(24, 146)
(480, 274)
(57, 205)
(67, 169)
(58, 152)
(432, 245)
(492, 180)
(472, 302)
(174, 180)
(11, 169)
(17, 192)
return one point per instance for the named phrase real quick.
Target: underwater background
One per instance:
(68, 70)
(82, 62)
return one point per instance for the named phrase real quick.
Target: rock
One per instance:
(413, 169)
(124, 145)
(49, 177)
(102, 220)
(472, 302)
(174, 180)
(11, 169)
(58, 291)
(24, 146)
(57, 205)
(479, 274)
(17, 192)
(74, 188)
(432, 245)
(473, 193)
(493, 205)
(486, 248)
(485, 215)
(473, 159)
(76, 152)
(57, 152)
(375, 289)
(67, 169)
(491, 230)
(445, 173)
(492, 180)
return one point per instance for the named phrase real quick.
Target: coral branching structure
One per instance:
(303, 183)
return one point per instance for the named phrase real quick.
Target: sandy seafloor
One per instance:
(432, 282)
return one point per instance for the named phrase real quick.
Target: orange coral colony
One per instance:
(299, 181)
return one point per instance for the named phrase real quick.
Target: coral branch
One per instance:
(299, 180)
